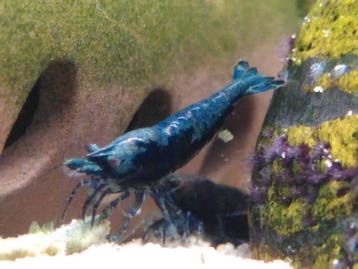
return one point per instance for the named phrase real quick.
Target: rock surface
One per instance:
(304, 184)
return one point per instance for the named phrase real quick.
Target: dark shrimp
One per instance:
(216, 212)
(138, 160)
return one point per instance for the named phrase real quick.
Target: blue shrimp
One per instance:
(139, 160)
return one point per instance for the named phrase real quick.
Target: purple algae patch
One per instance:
(296, 166)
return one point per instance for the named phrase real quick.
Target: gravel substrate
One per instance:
(76, 245)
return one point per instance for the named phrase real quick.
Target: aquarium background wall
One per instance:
(73, 73)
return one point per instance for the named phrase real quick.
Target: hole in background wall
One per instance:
(47, 100)
(25, 117)
(155, 107)
(32, 163)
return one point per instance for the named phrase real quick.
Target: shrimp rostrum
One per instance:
(138, 161)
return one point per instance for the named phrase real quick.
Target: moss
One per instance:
(329, 205)
(308, 226)
(347, 83)
(287, 223)
(341, 134)
(324, 81)
(301, 134)
(325, 254)
(276, 167)
(284, 220)
(329, 30)
(296, 167)
(303, 218)
(283, 191)
(334, 201)
(265, 253)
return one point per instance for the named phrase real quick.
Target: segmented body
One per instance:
(140, 159)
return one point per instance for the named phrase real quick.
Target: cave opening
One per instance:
(25, 117)
(155, 107)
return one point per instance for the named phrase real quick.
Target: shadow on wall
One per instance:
(29, 156)
(155, 107)
(61, 71)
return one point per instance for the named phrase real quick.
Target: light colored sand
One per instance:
(44, 248)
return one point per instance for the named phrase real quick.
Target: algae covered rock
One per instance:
(305, 179)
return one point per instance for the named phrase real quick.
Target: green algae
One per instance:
(288, 219)
(315, 257)
(329, 205)
(299, 218)
(324, 81)
(130, 41)
(134, 42)
(341, 134)
(285, 220)
(325, 254)
(309, 232)
(329, 30)
(297, 135)
(347, 83)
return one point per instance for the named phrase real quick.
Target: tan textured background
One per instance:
(33, 183)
